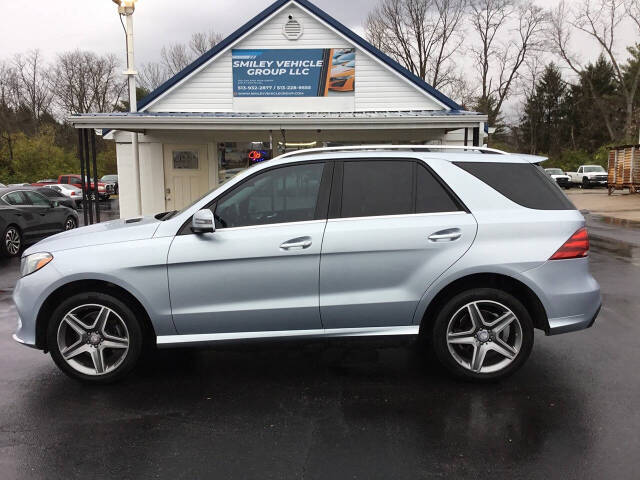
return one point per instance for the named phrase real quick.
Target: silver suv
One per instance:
(471, 250)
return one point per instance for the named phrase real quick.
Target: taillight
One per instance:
(73, 193)
(576, 247)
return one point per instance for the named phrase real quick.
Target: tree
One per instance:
(599, 20)
(545, 112)
(32, 86)
(177, 56)
(86, 82)
(422, 35)
(151, 75)
(499, 55)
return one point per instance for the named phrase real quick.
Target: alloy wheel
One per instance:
(484, 336)
(70, 224)
(93, 339)
(12, 241)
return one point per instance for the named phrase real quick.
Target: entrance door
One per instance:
(186, 174)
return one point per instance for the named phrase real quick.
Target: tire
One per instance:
(70, 223)
(12, 242)
(585, 183)
(455, 339)
(94, 354)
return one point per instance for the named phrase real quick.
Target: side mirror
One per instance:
(55, 204)
(202, 222)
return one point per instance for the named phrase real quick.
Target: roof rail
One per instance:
(411, 148)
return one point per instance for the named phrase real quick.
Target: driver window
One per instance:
(288, 194)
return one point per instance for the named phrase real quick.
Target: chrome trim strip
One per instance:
(173, 340)
(251, 227)
(403, 215)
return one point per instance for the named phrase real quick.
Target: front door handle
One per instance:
(297, 243)
(448, 235)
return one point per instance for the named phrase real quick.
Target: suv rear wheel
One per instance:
(483, 334)
(94, 337)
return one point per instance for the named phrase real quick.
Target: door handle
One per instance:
(449, 235)
(297, 243)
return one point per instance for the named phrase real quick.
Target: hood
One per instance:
(99, 234)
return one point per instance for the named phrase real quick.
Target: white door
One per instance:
(186, 174)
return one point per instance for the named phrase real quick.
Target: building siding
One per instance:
(377, 87)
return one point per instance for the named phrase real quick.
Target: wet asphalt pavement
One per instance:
(341, 409)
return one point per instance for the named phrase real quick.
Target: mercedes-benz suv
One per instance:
(471, 250)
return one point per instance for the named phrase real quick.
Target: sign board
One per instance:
(318, 72)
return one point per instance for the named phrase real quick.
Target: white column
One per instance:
(133, 107)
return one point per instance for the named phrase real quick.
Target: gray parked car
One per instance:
(27, 216)
(472, 251)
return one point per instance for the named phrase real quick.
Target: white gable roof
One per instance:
(207, 86)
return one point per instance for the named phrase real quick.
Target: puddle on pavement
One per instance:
(622, 250)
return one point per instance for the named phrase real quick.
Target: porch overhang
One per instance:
(411, 119)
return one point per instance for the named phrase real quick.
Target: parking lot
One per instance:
(339, 409)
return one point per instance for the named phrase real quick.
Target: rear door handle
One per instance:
(448, 235)
(299, 243)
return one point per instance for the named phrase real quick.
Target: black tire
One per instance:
(585, 183)
(124, 313)
(10, 236)
(70, 223)
(455, 304)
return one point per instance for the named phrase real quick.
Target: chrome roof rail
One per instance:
(411, 148)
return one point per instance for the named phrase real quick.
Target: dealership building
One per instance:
(292, 77)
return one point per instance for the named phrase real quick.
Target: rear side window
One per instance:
(15, 198)
(431, 197)
(372, 188)
(392, 187)
(522, 183)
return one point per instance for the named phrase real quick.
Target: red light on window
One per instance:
(576, 247)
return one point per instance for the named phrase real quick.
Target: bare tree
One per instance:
(151, 75)
(33, 87)
(9, 103)
(202, 42)
(175, 57)
(423, 35)
(599, 20)
(85, 82)
(502, 50)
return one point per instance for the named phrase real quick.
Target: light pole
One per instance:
(126, 9)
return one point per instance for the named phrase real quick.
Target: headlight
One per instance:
(34, 262)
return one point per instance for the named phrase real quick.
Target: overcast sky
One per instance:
(58, 25)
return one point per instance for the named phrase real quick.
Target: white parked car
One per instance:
(589, 176)
(562, 179)
(70, 191)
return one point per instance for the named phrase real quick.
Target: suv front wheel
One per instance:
(483, 334)
(94, 337)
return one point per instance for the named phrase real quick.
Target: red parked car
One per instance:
(105, 190)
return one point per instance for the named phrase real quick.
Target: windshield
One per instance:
(554, 171)
(593, 169)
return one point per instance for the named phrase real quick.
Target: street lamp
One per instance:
(126, 9)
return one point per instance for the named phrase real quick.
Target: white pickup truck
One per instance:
(589, 176)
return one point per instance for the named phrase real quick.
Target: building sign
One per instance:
(318, 72)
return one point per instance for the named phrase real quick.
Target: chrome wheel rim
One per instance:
(70, 224)
(12, 241)
(484, 336)
(93, 339)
